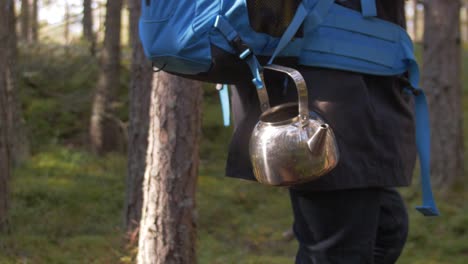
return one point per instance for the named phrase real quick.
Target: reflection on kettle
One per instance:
(289, 145)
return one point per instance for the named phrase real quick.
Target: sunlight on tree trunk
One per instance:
(168, 224)
(415, 20)
(140, 95)
(466, 21)
(442, 81)
(103, 135)
(66, 31)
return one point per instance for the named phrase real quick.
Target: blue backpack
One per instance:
(204, 39)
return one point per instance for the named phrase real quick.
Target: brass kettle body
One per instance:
(290, 145)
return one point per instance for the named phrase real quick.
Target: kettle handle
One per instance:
(300, 86)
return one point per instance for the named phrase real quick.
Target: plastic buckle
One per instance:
(241, 48)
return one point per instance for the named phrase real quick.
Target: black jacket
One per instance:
(372, 118)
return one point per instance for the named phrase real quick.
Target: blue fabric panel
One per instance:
(171, 46)
(382, 54)
(350, 20)
(369, 8)
(343, 44)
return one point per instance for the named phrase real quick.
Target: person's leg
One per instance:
(336, 227)
(393, 228)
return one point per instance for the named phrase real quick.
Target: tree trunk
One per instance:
(442, 81)
(8, 55)
(102, 133)
(19, 143)
(34, 22)
(415, 21)
(66, 30)
(25, 20)
(168, 225)
(140, 95)
(88, 32)
(466, 21)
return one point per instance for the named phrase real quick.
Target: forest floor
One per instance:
(67, 203)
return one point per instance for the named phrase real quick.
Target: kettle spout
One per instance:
(317, 142)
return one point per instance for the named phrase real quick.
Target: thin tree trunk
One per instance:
(19, 143)
(25, 20)
(415, 21)
(102, 135)
(88, 32)
(466, 21)
(66, 31)
(168, 224)
(442, 81)
(34, 22)
(8, 55)
(140, 95)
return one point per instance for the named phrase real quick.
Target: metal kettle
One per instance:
(289, 145)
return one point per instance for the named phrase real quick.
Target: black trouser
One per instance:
(360, 226)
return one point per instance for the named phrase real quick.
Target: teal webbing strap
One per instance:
(369, 8)
(233, 37)
(288, 35)
(223, 90)
(317, 14)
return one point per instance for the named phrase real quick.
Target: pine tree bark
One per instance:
(102, 132)
(442, 81)
(168, 224)
(140, 95)
(25, 20)
(8, 55)
(88, 32)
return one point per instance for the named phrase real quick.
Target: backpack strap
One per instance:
(317, 14)
(369, 8)
(246, 54)
(423, 134)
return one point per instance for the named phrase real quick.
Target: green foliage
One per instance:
(65, 209)
(56, 85)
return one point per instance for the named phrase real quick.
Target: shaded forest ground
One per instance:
(67, 203)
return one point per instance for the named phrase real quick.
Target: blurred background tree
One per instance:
(441, 78)
(103, 131)
(7, 62)
(88, 30)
